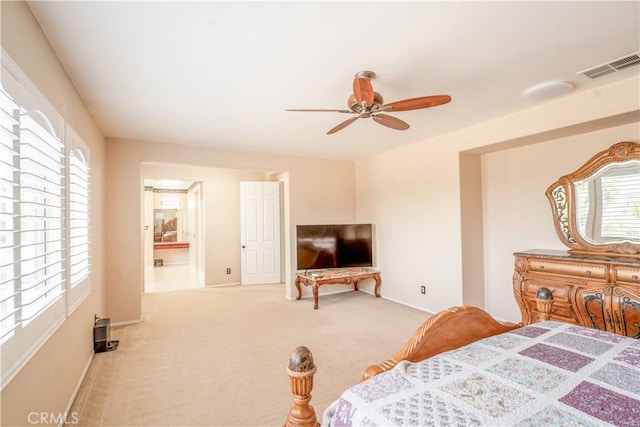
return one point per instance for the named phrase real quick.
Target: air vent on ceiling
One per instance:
(612, 66)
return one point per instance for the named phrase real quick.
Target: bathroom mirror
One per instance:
(166, 225)
(596, 209)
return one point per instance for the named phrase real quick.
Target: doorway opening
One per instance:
(216, 216)
(172, 235)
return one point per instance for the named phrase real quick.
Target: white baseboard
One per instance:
(67, 410)
(370, 293)
(128, 322)
(499, 319)
(405, 304)
(222, 285)
(388, 299)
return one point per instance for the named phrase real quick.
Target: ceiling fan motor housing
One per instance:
(378, 101)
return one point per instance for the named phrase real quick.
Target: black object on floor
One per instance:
(102, 335)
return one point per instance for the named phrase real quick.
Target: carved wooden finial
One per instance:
(301, 370)
(544, 303)
(301, 360)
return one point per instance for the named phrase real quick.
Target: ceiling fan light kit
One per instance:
(366, 103)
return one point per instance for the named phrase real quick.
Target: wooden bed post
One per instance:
(301, 370)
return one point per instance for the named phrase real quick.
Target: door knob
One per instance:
(243, 246)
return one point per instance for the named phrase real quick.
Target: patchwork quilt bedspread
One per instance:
(546, 374)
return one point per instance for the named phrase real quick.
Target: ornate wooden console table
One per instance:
(346, 276)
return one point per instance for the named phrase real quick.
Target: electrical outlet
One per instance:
(423, 290)
(228, 271)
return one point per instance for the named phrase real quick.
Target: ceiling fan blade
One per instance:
(343, 125)
(391, 122)
(417, 103)
(315, 110)
(363, 90)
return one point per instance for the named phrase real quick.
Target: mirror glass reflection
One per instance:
(608, 204)
(166, 225)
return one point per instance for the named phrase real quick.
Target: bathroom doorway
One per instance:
(173, 239)
(208, 221)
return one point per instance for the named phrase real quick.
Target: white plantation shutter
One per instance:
(78, 217)
(41, 213)
(44, 220)
(9, 284)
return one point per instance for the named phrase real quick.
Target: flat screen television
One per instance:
(334, 246)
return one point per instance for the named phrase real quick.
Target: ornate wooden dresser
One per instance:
(596, 291)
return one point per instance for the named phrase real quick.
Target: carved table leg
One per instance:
(376, 289)
(298, 288)
(315, 295)
(301, 370)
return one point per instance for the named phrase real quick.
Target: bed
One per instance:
(490, 374)
(550, 373)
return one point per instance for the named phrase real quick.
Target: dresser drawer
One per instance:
(628, 274)
(588, 271)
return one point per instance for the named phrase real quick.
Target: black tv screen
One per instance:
(334, 246)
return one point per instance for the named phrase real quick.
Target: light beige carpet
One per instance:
(218, 356)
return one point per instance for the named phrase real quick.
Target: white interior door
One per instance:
(260, 232)
(194, 236)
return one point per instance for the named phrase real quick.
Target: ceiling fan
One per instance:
(365, 103)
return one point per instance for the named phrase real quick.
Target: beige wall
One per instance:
(416, 195)
(412, 197)
(472, 230)
(48, 381)
(317, 191)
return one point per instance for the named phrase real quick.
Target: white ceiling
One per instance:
(221, 74)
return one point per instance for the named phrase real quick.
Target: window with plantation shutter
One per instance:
(33, 262)
(41, 215)
(78, 217)
(9, 284)
(45, 264)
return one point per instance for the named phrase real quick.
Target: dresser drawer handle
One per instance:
(634, 277)
(588, 271)
(542, 267)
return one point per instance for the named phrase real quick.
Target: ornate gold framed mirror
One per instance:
(596, 209)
